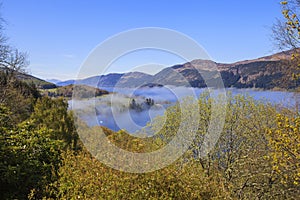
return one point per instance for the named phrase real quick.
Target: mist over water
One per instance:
(113, 111)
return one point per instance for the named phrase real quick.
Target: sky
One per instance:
(59, 35)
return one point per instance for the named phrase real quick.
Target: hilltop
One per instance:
(39, 83)
(264, 73)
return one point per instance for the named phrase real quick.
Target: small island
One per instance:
(141, 106)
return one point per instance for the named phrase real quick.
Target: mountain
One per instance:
(131, 79)
(188, 74)
(65, 83)
(257, 73)
(54, 81)
(104, 80)
(41, 84)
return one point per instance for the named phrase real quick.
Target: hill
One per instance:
(264, 73)
(39, 83)
(82, 91)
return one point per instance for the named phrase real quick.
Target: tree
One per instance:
(286, 34)
(11, 59)
(53, 114)
(18, 96)
(15, 94)
(287, 31)
(34, 131)
(284, 141)
(84, 177)
(29, 158)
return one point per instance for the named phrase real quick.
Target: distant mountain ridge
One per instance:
(54, 81)
(256, 73)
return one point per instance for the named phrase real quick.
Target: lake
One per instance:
(116, 111)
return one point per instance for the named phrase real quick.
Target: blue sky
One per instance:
(59, 34)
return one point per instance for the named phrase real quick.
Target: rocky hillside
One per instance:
(262, 73)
